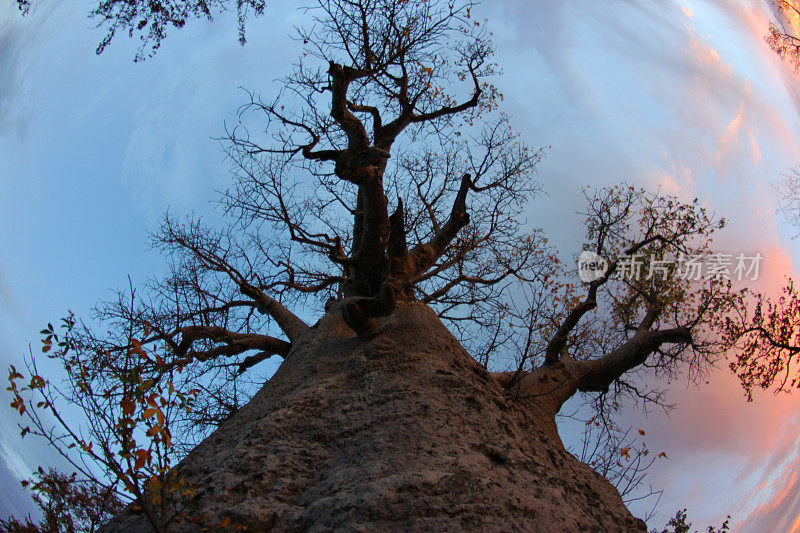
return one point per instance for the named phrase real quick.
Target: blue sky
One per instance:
(678, 95)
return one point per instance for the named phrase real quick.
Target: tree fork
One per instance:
(423, 256)
(359, 312)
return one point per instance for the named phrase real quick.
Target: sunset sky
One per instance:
(679, 96)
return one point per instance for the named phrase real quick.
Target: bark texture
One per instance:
(398, 430)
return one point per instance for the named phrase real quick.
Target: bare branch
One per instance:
(423, 256)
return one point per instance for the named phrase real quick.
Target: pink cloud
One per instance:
(687, 99)
(729, 129)
(781, 510)
(708, 57)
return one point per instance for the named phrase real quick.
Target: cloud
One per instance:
(672, 95)
(15, 500)
(14, 461)
(10, 304)
(12, 42)
(162, 163)
(781, 509)
(686, 100)
(182, 99)
(17, 102)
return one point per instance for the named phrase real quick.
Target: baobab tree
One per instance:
(383, 193)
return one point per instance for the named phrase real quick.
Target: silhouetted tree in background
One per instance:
(782, 36)
(68, 505)
(150, 20)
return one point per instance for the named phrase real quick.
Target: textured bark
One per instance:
(402, 431)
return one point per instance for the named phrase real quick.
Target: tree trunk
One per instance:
(399, 431)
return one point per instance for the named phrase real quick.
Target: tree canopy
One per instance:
(782, 36)
(766, 333)
(150, 20)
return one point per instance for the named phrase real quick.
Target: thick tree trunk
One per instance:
(398, 431)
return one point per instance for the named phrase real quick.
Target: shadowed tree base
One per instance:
(400, 430)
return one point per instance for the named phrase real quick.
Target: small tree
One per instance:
(788, 190)
(678, 524)
(781, 37)
(68, 504)
(766, 335)
(766, 332)
(121, 447)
